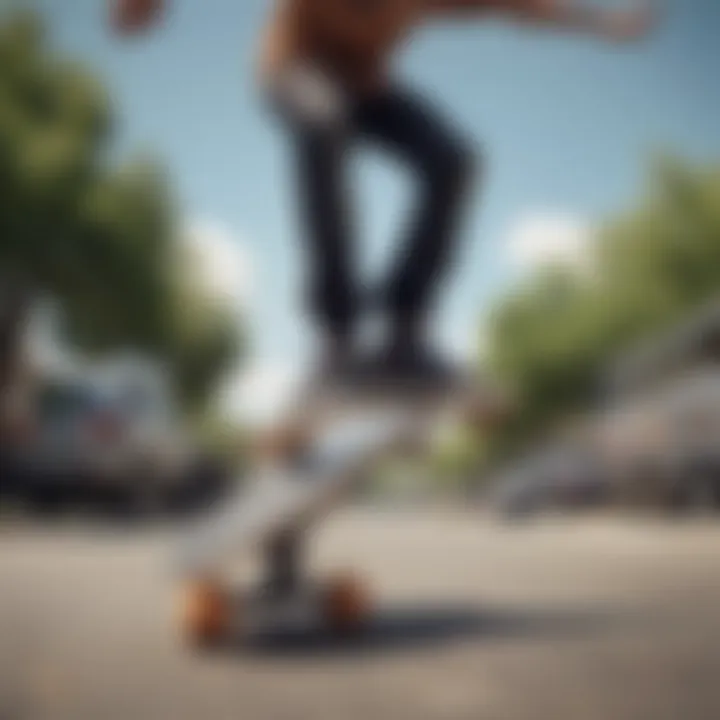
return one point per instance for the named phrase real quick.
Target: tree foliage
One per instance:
(551, 339)
(98, 237)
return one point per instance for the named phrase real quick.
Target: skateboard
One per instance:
(327, 447)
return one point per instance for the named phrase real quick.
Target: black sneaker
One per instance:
(336, 366)
(412, 367)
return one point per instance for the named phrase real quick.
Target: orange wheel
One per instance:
(206, 613)
(346, 604)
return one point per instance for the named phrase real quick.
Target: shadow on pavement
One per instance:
(404, 628)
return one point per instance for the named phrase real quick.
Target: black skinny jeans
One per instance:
(408, 127)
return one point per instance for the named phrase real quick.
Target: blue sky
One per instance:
(566, 124)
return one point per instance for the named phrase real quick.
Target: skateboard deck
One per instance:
(293, 494)
(327, 446)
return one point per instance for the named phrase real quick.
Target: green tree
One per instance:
(206, 336)
(551, 339)
(98, 238)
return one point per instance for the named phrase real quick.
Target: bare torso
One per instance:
(352, 39)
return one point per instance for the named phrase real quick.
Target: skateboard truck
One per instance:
(282, 559)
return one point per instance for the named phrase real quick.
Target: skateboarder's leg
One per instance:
(315, 111)
(410, 127)
(326, 232)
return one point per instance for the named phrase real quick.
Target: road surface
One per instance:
(600, 619)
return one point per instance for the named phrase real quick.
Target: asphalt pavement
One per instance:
(575, 619)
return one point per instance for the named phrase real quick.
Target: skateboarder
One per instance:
(325, 66)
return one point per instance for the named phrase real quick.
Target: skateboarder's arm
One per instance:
(616, 24)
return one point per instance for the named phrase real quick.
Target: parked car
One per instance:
(556, 478)
(120, 445)
(665, 448)
(694, 483)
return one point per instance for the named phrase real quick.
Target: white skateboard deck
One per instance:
(288, 496)
(350, 432)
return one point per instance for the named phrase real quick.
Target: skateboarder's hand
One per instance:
(129, 17)
(629, 25)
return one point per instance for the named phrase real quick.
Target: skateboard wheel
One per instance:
(346, 604)
(205, 613)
